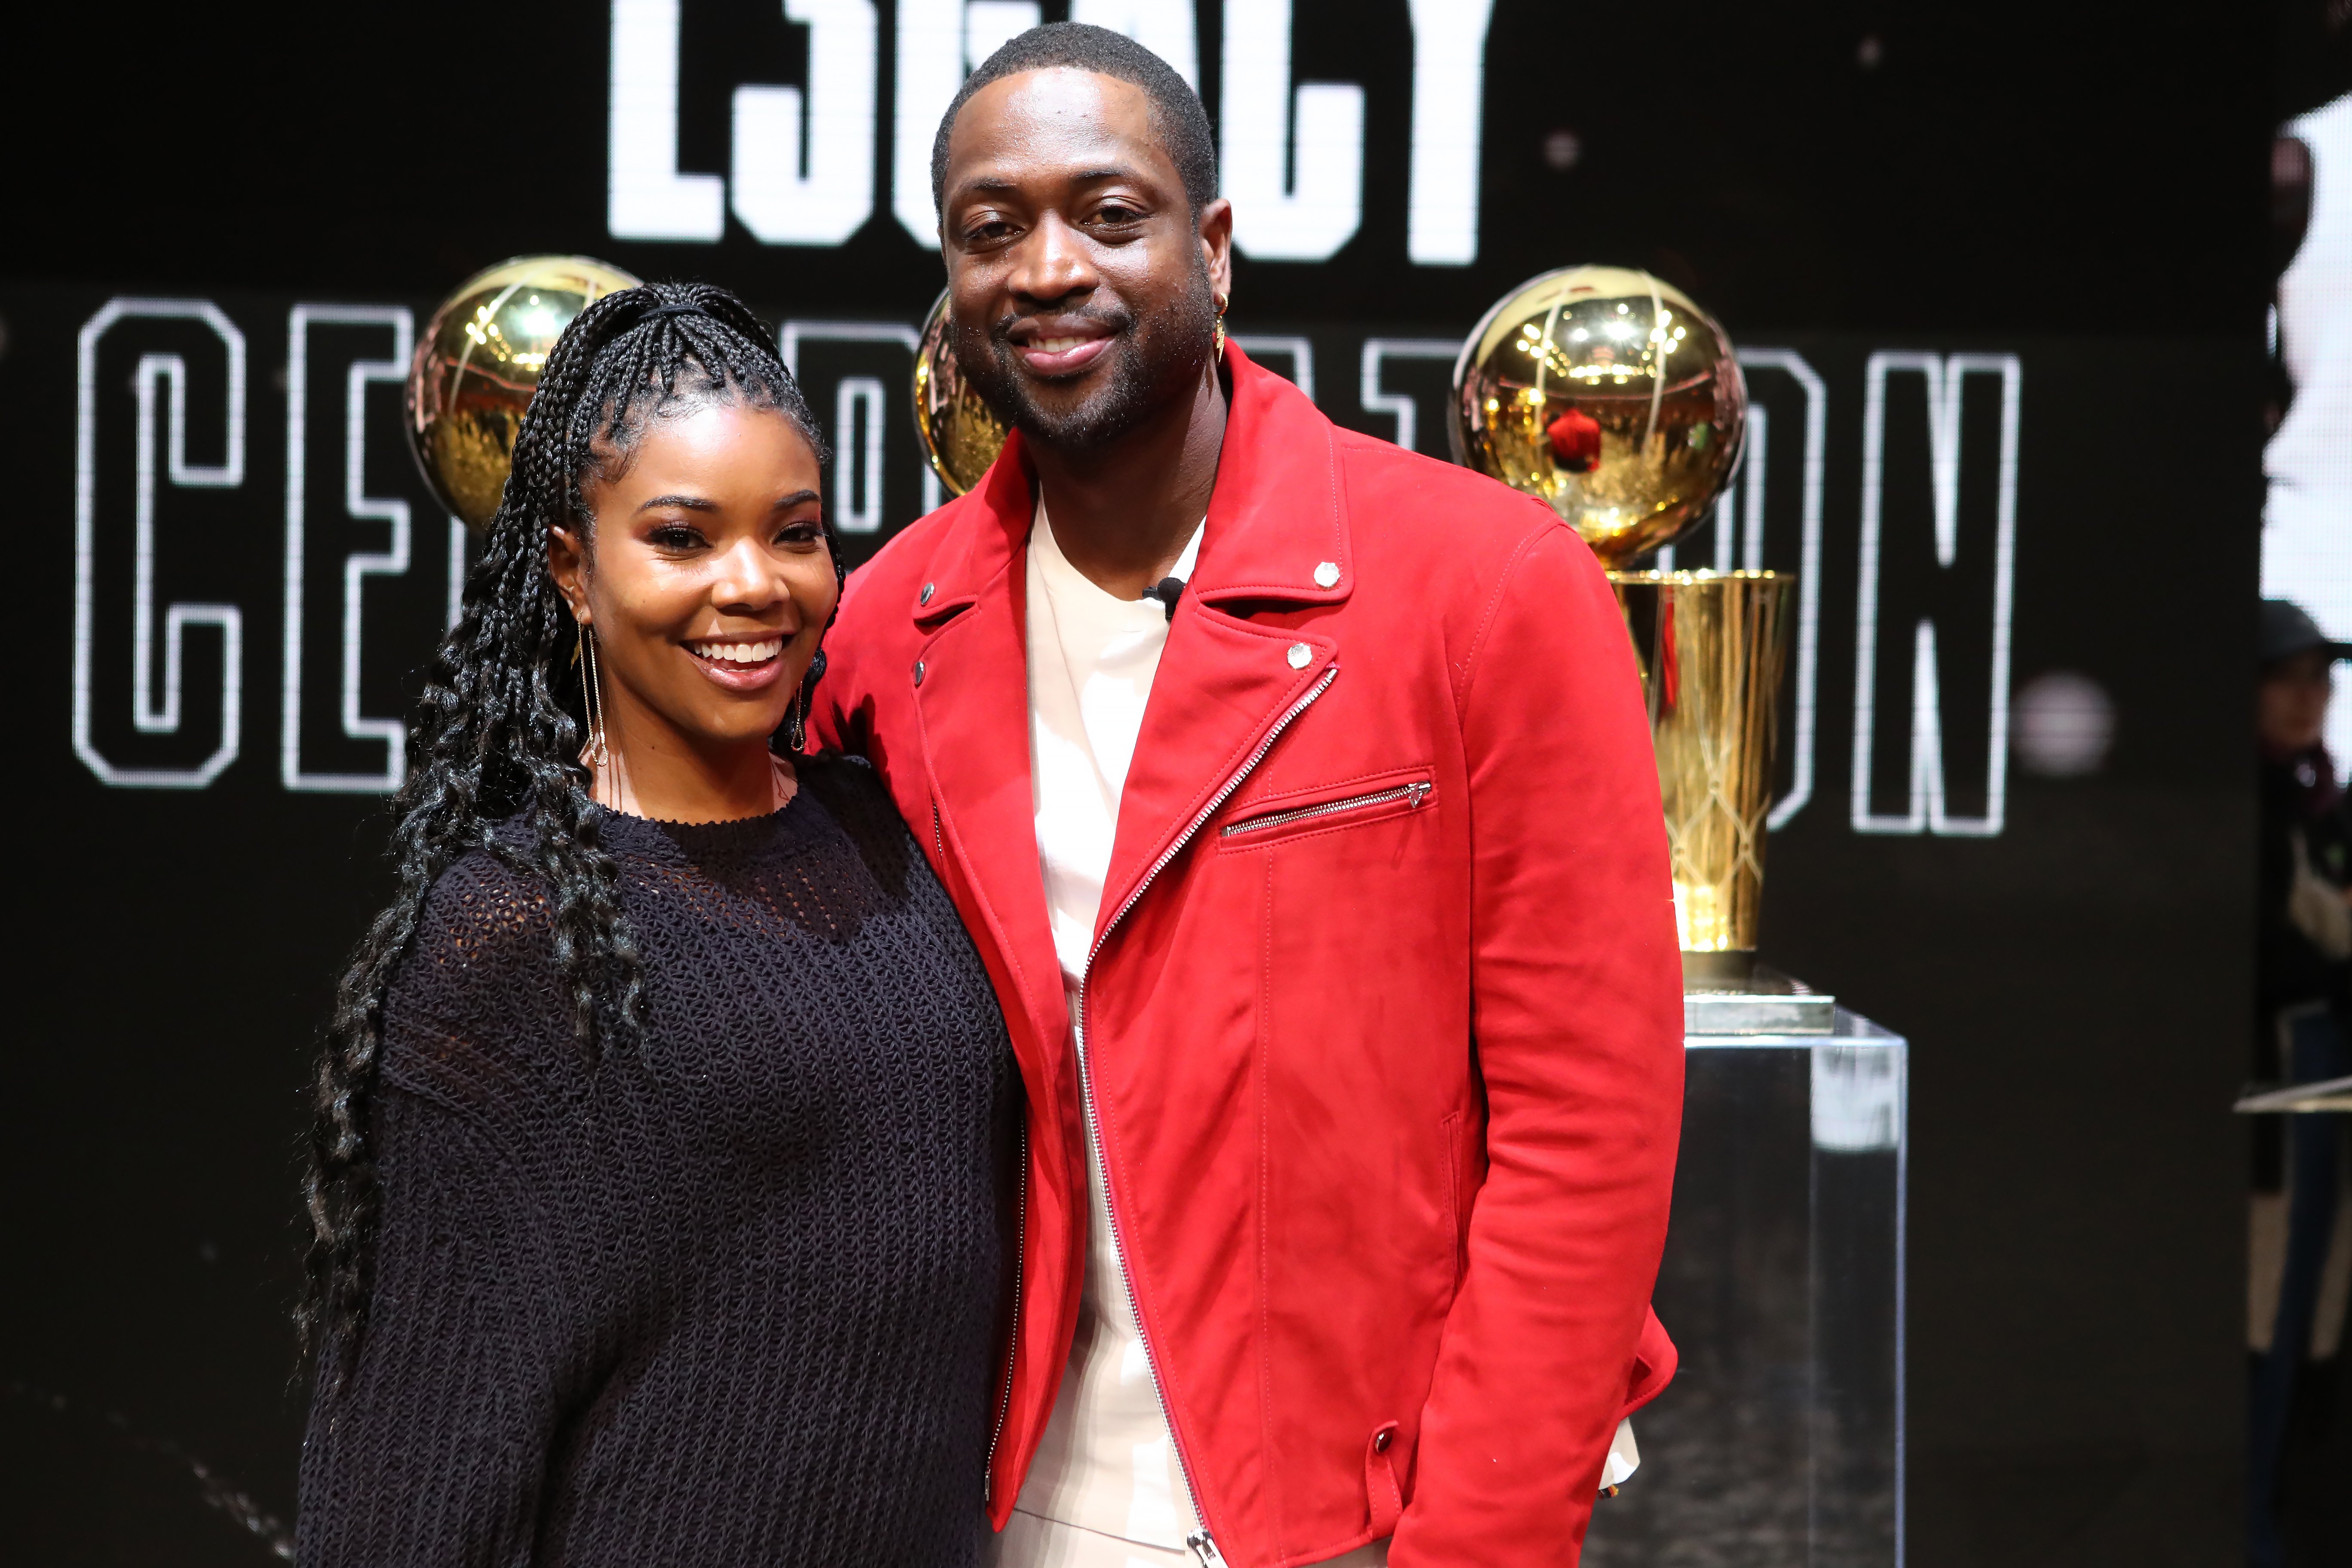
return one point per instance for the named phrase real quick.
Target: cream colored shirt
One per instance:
(1106, 1488)
(1107, 1464)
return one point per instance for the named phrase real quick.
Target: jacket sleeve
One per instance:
(433, 1445)
(840, 716)
(1576, 1019)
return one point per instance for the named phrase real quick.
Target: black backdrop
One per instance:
(2080, 193)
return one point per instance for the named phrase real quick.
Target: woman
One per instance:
(667, 1114)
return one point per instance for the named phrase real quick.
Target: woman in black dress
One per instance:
(667, 1115)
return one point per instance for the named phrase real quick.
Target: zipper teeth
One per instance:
(1020, 1268)
(1086, 1089)
(1412, 792)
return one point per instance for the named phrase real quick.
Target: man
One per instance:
(1298, 793)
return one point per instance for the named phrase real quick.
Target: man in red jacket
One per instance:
(1298, 793)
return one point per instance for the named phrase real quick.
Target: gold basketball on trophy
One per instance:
(1606, 393)
(962, 434)
(478, 365)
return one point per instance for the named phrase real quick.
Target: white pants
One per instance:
(1028, 1542)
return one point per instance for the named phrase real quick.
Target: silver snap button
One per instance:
(925, 597)
(918, 672)
(1299, 654)
(1326, 575)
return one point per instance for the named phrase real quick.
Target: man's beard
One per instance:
(1167, 353)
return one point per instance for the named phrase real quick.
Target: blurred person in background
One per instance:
(2301, 1223)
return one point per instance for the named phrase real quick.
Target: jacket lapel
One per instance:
(972, 701)
(1275, 537)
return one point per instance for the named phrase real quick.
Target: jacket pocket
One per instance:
(1301, 812)
(1455, 1239)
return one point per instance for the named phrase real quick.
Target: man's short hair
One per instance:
(1177, 117)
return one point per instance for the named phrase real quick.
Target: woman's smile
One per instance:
(740, 663)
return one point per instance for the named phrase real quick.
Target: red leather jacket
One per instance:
(1384, 1015)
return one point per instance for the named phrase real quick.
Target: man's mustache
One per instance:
(1114, 320)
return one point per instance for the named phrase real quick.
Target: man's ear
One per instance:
(1216, 231)
(567, 563)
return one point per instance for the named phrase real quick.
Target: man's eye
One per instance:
(1116, 213)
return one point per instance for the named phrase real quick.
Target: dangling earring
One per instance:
(1222, 300)
(593, 690)
(797, 735)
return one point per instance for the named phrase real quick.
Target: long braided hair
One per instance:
(499, 736)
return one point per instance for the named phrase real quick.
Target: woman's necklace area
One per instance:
(609, 784)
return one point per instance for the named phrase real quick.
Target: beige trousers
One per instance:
(1028, 1542)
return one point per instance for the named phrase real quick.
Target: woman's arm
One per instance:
(428, 1440)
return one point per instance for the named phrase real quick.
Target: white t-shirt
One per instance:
(1107, 1464)
(1106, 1488)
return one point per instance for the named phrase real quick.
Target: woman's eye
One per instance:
(800, 533)
(670, 536)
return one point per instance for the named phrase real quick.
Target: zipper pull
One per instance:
(1415, 794)
(1205, 1549)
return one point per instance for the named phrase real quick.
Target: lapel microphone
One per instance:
(1166, 590)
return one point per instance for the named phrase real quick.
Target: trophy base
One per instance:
(1726, 965)
(1731, 993)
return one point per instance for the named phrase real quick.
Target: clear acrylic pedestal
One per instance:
(1779, 1442)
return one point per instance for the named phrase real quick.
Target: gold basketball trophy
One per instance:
(961, 434)
(1609, 395)
(477, 366)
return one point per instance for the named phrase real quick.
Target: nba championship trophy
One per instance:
(477, 366)
(961, 434)
(1612, 397)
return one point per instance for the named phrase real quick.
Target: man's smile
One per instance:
(1055, 346)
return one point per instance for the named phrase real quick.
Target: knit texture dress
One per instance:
(734, 1297)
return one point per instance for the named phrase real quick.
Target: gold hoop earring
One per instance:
(1222, 300)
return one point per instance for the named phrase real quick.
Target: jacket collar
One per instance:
(1276, 532)
(1276, 528)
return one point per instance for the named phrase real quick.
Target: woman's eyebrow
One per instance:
(692, 503)
(795, 499)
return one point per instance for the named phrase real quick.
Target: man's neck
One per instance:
(1123, 512)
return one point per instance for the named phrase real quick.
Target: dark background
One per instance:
(2084, 187)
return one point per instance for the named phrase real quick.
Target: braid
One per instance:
(497, 738)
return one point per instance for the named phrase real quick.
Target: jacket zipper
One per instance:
(1019, 1268)
(1413, 794)
(1204, 1546)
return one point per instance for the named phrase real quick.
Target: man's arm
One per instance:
(1577, 1014)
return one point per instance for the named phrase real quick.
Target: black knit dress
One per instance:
(733, 1299)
